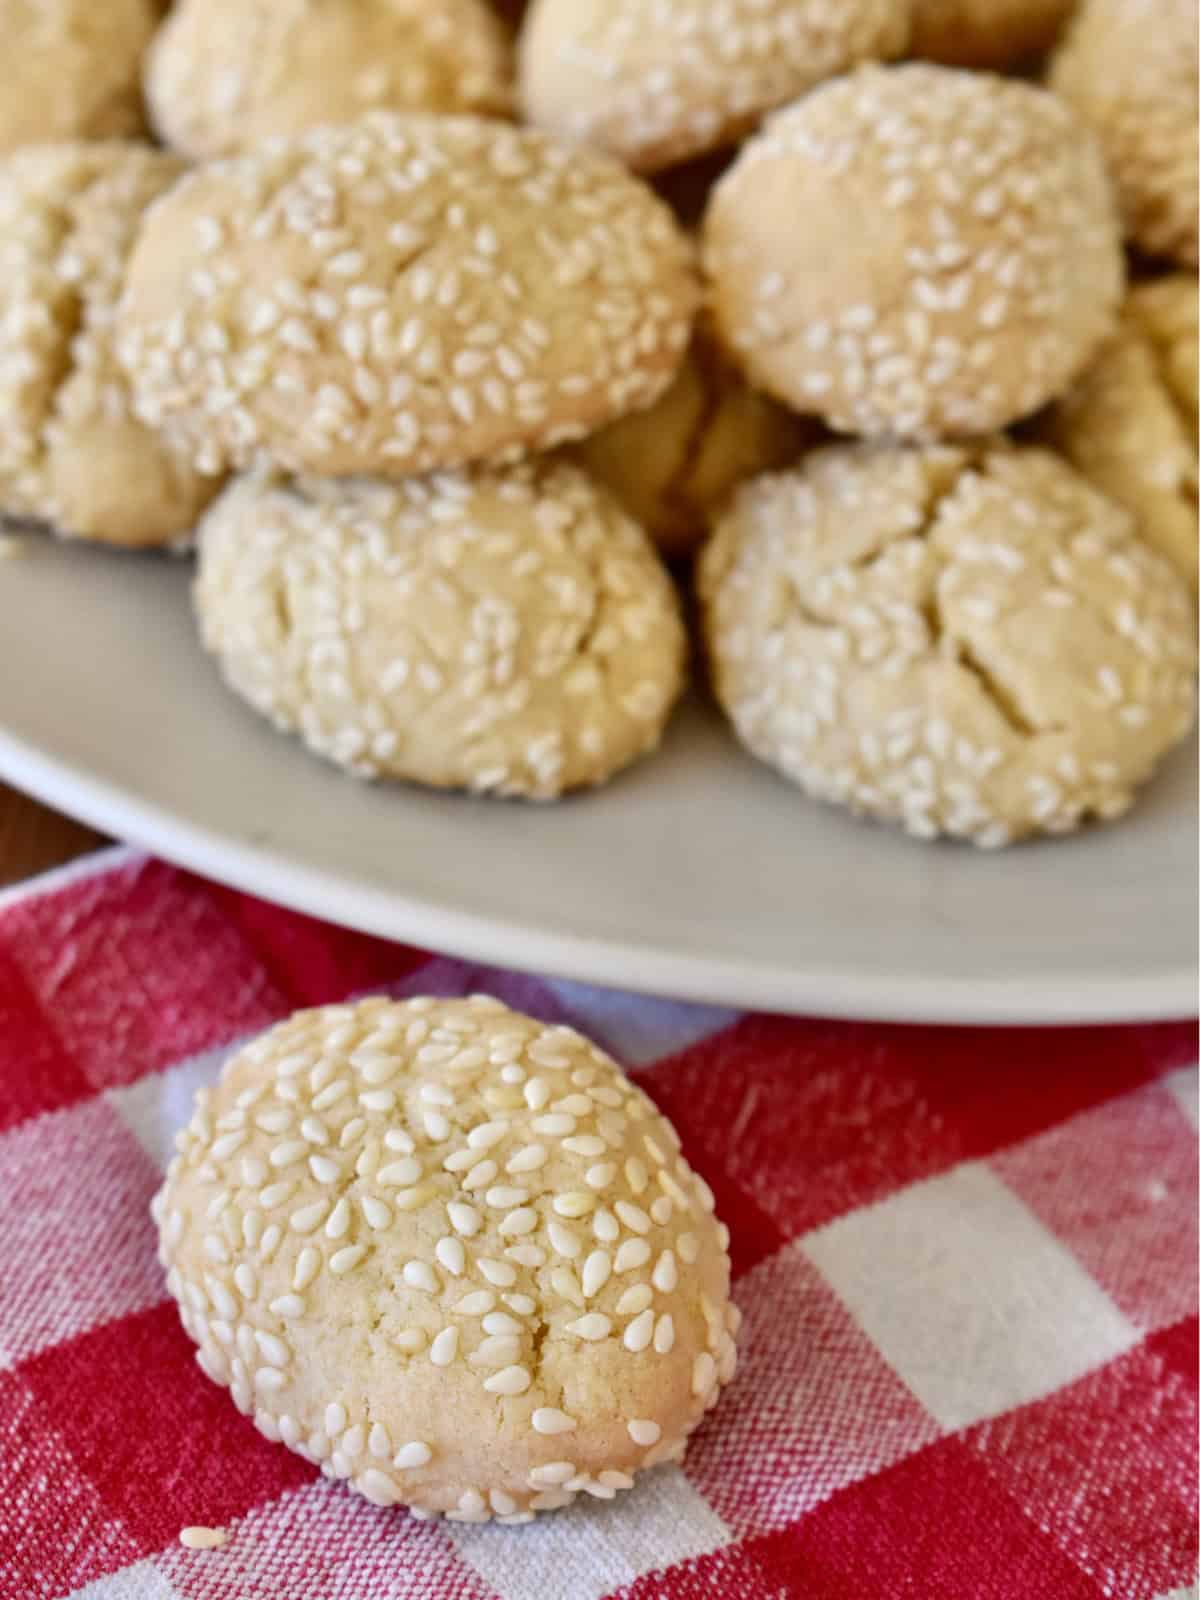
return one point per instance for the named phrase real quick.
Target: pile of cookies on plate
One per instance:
(469, 344)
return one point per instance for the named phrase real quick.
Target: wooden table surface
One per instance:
(33, 838)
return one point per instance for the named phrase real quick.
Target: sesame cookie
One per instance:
(74, 69)
(223, 75)
(1129, 68)
(404, 293)
(509, 632)
(968, 641)
(658, 81)
(450, 1253)
(672, 465)
(1129, 424)
(986, 33)
(916, 251)
(72, 453)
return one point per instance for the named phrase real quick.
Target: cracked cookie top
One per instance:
(223, 75)
(401, 294)
(72, 453)
(450, 1253)
(510, 632)
(916, 251)
(970, 641)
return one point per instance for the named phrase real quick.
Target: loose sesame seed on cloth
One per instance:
(965, 1258)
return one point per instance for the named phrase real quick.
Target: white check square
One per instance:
(973, 1302)
(160, 1103)
(595, 1548)
(142, 1581)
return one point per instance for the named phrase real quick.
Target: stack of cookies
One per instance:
(441, 340)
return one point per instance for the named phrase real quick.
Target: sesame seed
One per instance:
(198, 1538)
(528, 1159)
(639, 1332)
(636, 1175)
(591, 1327)
(632, 1254)
(345, 1260)
(521, 1221)
(476, 1304)
(308, 1264)
(378, 1487)
(420, 1275)
(549, 1420)
(292, 1150)
(463, 1218)
(508, 1381)
(596, 1271)
(377, 1214)
(412, 1455)
(451, 1255)
(634, 1300)
(643, 1431)
(444, 1347)
(498, 1273)
(633, 1216)
(704, 1373)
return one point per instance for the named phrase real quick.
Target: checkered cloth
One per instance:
(966, 1258)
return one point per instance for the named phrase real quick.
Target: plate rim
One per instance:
(716, 981)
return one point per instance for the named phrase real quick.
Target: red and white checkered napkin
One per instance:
(967, 1262)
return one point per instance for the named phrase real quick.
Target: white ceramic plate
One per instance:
(698, 874)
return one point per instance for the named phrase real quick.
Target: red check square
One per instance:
(310, 962)
(933, 1527)
(136, 971)
(48, 1504)
(782, 1109)
(36, 1072)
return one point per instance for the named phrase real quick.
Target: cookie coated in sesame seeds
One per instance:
(73, 69)
(451, 1254)
(971, 642)
(510, 632)
(401, 294)
(986, 33)
(916, 251)
(72, 452)
(1129, 424)
(658, 81)
(1129, 67)
(673, 465)
(223, 74)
